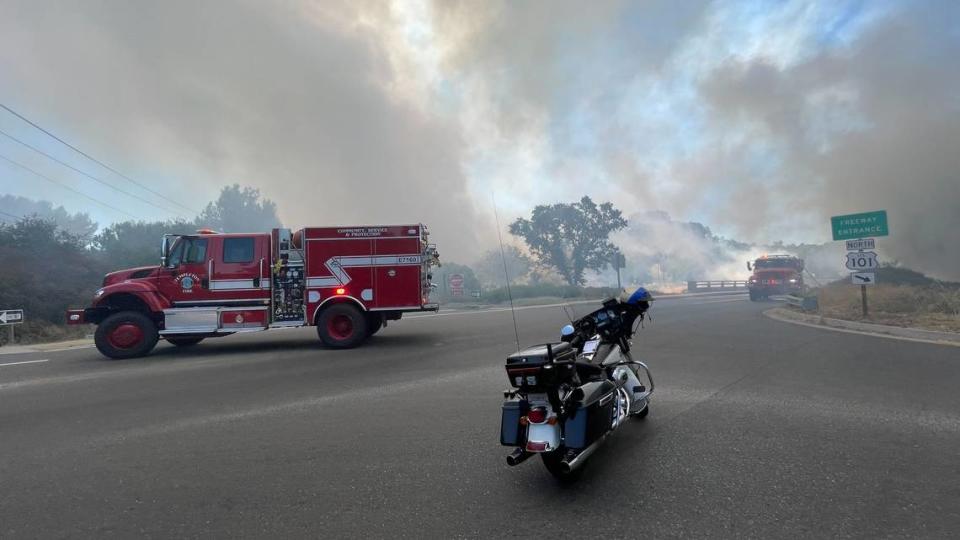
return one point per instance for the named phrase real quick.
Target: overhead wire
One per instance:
(90, 176)
(95, 160)
(8, 214)
(64, 186)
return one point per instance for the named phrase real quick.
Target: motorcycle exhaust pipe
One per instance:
(518, 456)
(572, 464)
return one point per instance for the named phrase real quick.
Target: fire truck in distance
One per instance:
(346, 281)
(775, 274)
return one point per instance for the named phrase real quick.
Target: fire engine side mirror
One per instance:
(164, 250)
(748, 266)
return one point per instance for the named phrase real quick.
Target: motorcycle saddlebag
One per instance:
(592, 417)
(541, 366)
(510, 424)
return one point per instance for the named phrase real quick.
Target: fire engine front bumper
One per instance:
(90, 315)
(766, 290)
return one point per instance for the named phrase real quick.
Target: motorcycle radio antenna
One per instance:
(506, 274)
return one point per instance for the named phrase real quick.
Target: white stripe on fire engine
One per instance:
(340, 277)
(237, 284)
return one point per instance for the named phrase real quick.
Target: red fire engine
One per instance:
(775, 274)
(347, 281)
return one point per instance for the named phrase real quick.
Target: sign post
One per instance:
(859, 231)
(619, 261)
(9, 318)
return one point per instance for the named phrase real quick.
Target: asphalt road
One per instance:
(757, 429)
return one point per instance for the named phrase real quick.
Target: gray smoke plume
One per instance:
(760, 123)
(872, 126)
(301, 100)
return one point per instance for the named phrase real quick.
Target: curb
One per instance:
(867, 329)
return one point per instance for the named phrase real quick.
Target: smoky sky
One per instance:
(760, 119)
(295, 99)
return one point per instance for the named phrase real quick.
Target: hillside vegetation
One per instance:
(902, 297)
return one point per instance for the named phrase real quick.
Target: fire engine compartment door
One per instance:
(214, 319)
(239, 267)
(397, 276)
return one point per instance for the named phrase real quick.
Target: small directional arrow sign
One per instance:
(11, 316)
(863, 278)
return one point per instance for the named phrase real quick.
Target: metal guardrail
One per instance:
(723, 284)
(806, 303)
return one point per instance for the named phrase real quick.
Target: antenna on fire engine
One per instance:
(513, 313)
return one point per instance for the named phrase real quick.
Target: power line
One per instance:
(97, 161)
(90, 176)
(68, 188)
(8, 214)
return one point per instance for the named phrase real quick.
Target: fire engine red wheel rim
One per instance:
(125, 336)
(340, 327)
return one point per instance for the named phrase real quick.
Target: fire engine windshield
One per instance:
(763, 264)
(187, 250)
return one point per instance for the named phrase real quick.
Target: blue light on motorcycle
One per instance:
(567, 330)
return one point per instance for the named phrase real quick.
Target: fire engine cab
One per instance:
(775, 274)
(346, 281)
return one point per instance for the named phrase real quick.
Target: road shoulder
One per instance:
(853, 327)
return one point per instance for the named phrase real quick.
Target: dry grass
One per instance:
(929, 307)
(44, 332)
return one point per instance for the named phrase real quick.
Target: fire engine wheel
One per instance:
(342, 326)
(185, 342)
(754, 296)
(127, 334)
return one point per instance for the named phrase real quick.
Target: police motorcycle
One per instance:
(567, 397)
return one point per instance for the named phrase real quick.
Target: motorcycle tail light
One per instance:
(534, 446)
(537, 415)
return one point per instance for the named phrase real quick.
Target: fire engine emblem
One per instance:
(239, 318)
(188, 281)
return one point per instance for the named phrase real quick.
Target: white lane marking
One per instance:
(74, 348)
(23, 362)
(499, 310)
(302, 405)
(739, 298)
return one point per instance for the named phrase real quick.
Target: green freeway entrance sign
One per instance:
(865, 225)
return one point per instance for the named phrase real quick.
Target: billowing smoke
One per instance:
(311, 103)
(760, 123)
(873, 125)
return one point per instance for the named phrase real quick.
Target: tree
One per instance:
(33, 250)
(78, 225)
(239, 210)
(136, 243)
(489, 268)
(571, 237)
